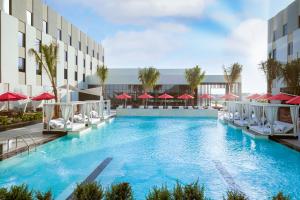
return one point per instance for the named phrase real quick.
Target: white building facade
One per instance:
(27, 24)
(284, 37)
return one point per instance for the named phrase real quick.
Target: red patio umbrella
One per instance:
(165, 96)
(229, 96)
(145, 96)
(206, 96)
(185, 97)
(295, 100)
(11, 96)
(253, 96)
(43, 96)
(124, 97)
(281, 97)
(264, 97)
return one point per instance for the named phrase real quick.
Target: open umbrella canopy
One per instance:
(229, 96)
(295, 100)
(206, 96)
(43, 96)
(145, 96)
(165, 96)
(253, 96)
(123, 96)
(264, 97)
(281, 97)
(12, 96)
(185, 96)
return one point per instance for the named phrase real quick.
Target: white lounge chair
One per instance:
(180, 107)
(129, 107)
(190, 107)
(169, 107)
(160, 107)
(142, 107)
(150, 107)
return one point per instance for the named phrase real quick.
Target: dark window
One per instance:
(274, 54)
(65, 73)
(79, 45)
(45, 27)
(83, 77)
(270, 55)
(93, 53)
(38, 45)
(21, 39)
(66, 56)
(38, 69)
(21, 65)
(274, 36)
(290, 49)
(299, 21)
(70, 40)
(84, 63)
(103, 59)
(97, 56)
(76, 76)
(76, 60)
(91, 66)
(284, 30)
(59, 34)
(87, 49)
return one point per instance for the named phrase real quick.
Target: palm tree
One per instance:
(232, 74)
(271, 69)
(194, 77)
(291, 75)
(102, 73)
(47, 59)
(148, 77)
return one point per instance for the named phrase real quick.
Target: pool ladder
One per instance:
(23, 139)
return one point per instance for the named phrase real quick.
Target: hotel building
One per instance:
(284, 38)
(171, 81)
(27, 24)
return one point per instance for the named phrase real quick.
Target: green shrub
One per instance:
(281, 196)
(19, 193)
(4, 120)
(159, 194)
(235, 195)
(3, 193)
(194, 191)
(121, 191)
(44, 196)
(178, 192)
(88, 191)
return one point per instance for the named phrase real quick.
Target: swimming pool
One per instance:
(150, 151)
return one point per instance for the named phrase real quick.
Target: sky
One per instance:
(178, 33)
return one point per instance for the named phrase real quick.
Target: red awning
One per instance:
(123, 96)
(253, 96)
(229, 96)
(281, 97)
(165, 96)
(264, 97)
(206, 96)
(145, 96)
(295, 100)
(43, 96)
(12, 96)
(185, 96)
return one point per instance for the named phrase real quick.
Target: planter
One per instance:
(18, 125)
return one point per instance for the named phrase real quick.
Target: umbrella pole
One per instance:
(125, 103)
(165, 103)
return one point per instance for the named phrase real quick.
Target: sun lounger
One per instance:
(160, 107)
(190, 107)
(129, 107)
(180, 107)
(279, 128)
(142, 107)
(150, 107)
(169, 107)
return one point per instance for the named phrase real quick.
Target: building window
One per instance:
(91, 66)
(21, 65)
(29, 17)
(21, 39)
(87, 49)
(65, 73)
(284, 30)
(45, 27)
(299, 21)
(76, 60)
(38, 45)
(83, 77)
(94, 53)
(274, 54)
(7, 6)
(38, 68)
(84, 63)
(59, 34)
(97, 56)
(76, 76)
(66, 56)
(274, 36)
(103, 59)
(290, 49)
(70, 40)
(79, 45)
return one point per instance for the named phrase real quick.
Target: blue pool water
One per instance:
(150, 151)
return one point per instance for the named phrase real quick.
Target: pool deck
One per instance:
(291, 143)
